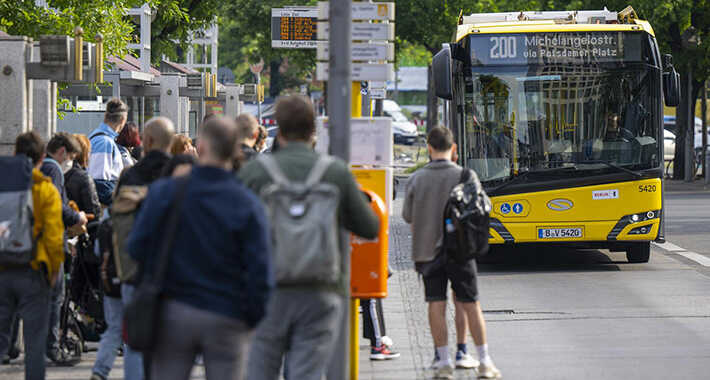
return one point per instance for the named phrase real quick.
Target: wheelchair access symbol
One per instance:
(505, 208)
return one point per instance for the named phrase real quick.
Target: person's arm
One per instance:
(145, 227)
(52, 232)
(256, 248)
(408, 200)
(89, 197)
(359, 217)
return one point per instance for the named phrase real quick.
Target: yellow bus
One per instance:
(561, 116)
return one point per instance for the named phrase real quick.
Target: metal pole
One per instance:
(689, 143)
(706, 170)
(339, 103)
(258, 100)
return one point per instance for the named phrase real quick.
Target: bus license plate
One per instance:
(559, 233)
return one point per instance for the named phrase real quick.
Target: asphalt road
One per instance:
(556, 314)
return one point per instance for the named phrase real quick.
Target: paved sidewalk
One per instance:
(675, 186)
(406, 317)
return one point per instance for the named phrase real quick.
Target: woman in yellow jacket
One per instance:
(25, 291)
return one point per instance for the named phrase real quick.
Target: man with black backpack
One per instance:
(31, 249)
(427, 201)
(310, 200)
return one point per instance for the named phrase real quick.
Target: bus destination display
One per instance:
(551, 48)
(294, 28)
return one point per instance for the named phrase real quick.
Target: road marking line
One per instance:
(698, 258)
(671, 247)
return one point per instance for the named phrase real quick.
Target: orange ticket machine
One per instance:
(369, 257)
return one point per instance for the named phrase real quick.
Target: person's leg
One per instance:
(8, 309)
(461, 324)
(314, 333)
(34, 298)
(132, 360)
(55, 307)
(177, 342)
(269, 343)
(435, 288)
(368, 329)
(437, 323)
(111, 338)
(225, 346)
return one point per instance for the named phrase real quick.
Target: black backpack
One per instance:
(466, 219)
(110, 283)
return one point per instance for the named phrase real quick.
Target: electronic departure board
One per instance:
(294, 27)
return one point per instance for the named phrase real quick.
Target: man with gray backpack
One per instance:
(311, 200)
(31, 249)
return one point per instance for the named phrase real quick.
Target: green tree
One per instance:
(410, 54)
(174, 20)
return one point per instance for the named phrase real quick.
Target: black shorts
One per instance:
(462, 277)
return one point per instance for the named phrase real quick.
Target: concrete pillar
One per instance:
(184, 109)
(169, 98)
(44, 106)
(231, 104)
(15, 91)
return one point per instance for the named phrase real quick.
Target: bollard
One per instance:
(78, 54)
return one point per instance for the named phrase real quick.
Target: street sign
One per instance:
(294, 28)
(362, 11)
(360, 31)
(378, 93)
(382, 51)
(370, 140)
(361, 71)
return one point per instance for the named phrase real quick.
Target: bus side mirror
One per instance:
(671, 82)
(441, 67)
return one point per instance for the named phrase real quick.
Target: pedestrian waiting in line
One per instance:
(309, 198)
(426, 197)
(28, 273)
(182, 144)
(248, 128)
(128, 140)
(218, 275)
(260, 144)
(61, 149)
(79, 185)
(131, 190)
(105, 162)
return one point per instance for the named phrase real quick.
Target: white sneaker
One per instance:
(444, 371)
(488, 371)
(466, 361)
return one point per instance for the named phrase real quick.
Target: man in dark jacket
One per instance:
(248, 129)
(60, 150)
(157, 135)
(219, 274)
(301, 322)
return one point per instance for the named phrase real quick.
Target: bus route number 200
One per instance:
(503, 47)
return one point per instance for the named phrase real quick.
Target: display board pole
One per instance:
(339, 14)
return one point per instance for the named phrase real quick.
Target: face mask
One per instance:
(67, 165)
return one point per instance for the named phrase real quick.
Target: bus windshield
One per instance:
(532, 118)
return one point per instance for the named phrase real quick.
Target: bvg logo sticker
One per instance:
(560, 204)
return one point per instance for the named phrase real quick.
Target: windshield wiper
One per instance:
(520, 177)
(613, 165)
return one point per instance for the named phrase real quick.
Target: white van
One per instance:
(404, 131)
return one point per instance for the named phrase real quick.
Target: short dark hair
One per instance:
(440, 139)
(221, 135)
(116, 110)
(31, 145)
(296, 118)
(63, 139)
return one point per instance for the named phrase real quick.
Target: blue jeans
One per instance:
(111, 338)
(132, 360)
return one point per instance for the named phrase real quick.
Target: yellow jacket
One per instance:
(47, 206)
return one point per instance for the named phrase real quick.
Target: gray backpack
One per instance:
(304, 225)
(17, 247)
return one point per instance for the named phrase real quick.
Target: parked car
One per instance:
(668, 145)
(669, 125)
(669, 130)
(403, 130)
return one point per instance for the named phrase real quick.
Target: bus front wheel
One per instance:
(639, 252)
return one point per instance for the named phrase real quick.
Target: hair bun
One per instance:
(115, 105)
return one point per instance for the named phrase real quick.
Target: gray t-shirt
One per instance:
(426, 196)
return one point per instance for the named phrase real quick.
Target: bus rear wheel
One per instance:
(639, 252)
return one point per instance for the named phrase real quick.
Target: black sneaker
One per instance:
(383, 353)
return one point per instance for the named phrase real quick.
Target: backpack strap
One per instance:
(465, 175)
(318, 170)
(273, 170)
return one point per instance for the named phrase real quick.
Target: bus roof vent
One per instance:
(603, 16)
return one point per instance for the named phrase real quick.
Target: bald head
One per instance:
(158, 134)
(218, 140)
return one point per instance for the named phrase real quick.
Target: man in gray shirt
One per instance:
(426, 196)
